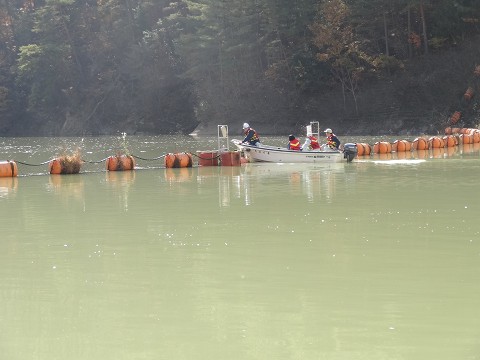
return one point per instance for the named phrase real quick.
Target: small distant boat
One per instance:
(274, 154)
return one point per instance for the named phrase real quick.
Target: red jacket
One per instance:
(294, 144)
(314, 143)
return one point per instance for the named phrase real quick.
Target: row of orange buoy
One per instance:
(127, 162)
(453, 137)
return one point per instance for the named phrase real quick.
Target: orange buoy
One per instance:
(65, 165)
(435, 142)
(179, 160)
(466, 139)
(448, 131)
(455, 117)
(230, 158)
(207, 158)
(456, 130)
(120, 163)
(382, 147)
(476, 136)
(55, 167)
(401, 146)
(8, 168)
(468, 94)
(420, 143)
(363, 149)
(450, 141)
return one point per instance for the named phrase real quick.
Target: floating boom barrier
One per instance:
(70, 165)
(453, 137)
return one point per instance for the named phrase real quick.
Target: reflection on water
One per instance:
(120, 182)
(376, 259)
(8, 186)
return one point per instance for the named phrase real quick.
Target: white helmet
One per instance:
(328, 130)
(246, 126)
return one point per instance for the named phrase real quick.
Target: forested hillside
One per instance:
(92, 67)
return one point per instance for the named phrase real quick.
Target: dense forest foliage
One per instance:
(91, 67)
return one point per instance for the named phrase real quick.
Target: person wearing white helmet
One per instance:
(251, 136)
(332, 140)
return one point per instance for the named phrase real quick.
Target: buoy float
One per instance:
(382, 147)
(207, 158)
(456, 130)
(8, 168)
(476, 136)
(468, 94)
(466, 139)
(179, 160)
(230, 158)
(64, 166)
(120, 163)
(420, 143)
(435, 142)
(363, 149)
(450, 141)
(401, 146)
(448, 131)
(455, 117)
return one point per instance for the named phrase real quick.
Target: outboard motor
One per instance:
(349, 151)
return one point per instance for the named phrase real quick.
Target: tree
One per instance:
(337, 45)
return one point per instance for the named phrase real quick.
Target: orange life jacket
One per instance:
(314, 143)
(294, 144)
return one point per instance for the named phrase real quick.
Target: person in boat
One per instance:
(251, 136)
(332, 140)
(311, 143)
(293, 143)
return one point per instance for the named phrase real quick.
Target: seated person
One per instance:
(293, 143)
(251, 136)
(311, 143)
(332, 141)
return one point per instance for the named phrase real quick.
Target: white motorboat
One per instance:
(274, 154)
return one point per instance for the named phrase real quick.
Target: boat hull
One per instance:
(281, 155)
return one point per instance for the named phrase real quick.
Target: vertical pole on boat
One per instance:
(314, 128)
(222, 137)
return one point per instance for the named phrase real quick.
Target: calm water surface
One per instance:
(370, 260)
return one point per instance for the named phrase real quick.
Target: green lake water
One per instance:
(376, 259)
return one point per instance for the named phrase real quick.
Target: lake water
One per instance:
(369, 260)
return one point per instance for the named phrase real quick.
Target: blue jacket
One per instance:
(251, 136)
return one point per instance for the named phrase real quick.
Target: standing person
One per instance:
(311, 143)
(251, 136)
(332, 140)
(293, 144)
